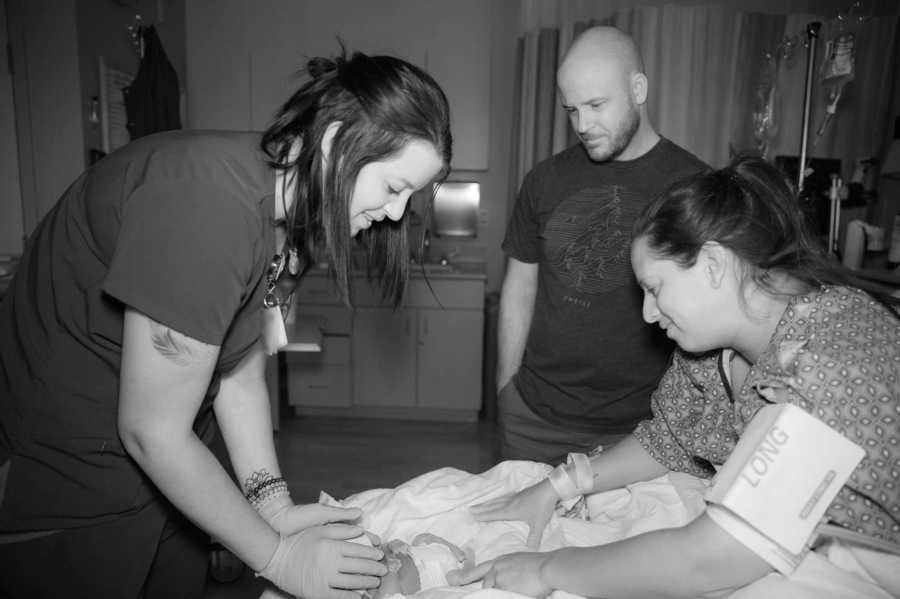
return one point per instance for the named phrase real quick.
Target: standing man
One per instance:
(576, 362)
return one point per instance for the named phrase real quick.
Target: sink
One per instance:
(434, 268)
(453, 268)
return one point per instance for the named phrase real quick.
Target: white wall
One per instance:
(103, 31)
(243, 59)
(48, 108)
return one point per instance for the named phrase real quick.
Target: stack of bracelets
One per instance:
(262, 492)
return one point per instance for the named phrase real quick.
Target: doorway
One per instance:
(12, 230)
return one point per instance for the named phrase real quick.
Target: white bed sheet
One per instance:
(438, 502)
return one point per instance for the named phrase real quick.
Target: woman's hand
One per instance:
(320, 563)
(517, 572)
(533, 505)
(287, 518)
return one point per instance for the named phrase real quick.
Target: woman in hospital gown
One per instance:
(761, 317)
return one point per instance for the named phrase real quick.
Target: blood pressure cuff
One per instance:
(779, 480)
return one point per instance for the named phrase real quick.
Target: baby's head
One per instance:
(402, 576)
(422, 565)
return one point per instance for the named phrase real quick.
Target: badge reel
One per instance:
(275, 308)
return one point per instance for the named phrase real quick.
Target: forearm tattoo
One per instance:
(256, 479)
(168, 346)
(262, 487)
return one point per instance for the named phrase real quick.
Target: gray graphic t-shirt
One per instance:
(590, 361)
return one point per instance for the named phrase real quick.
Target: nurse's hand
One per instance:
(320, 563)
(517, 572)
(533, 505)
(287, 518)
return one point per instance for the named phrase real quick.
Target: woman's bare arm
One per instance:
(164, 377)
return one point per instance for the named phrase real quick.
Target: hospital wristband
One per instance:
(562, 483)
(584, 472)
(565, 485)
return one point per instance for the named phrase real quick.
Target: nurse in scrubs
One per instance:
(138, 323)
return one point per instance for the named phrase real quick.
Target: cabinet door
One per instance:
(241, 61)
(320, 379)
(450, 350)
(384, 357)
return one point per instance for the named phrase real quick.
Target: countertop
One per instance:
(452, 270)
(304, 334)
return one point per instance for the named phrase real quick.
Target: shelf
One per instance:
(304, 335)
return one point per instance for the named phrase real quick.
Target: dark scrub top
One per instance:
(176, 225)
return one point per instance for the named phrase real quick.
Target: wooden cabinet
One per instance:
(384, 354)
(421, 361)
(320, 378)
(448, 373)
(242, 62)
(426, 356)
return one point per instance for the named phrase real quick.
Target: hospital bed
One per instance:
(437, 502)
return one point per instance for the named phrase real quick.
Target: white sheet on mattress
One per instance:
(438, 502)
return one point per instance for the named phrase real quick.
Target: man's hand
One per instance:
(533, 505)
(320, 563)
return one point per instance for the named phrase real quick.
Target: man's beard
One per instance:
(620, 138)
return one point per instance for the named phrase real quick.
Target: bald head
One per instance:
(603, 45)
(603, 89)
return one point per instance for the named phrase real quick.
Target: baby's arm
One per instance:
(466, 558)
(402, 576)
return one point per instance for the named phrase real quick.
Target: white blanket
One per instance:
(438, 502)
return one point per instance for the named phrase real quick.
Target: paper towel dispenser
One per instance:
(455, 209)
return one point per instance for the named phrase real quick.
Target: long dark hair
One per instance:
(748, 207)
(381, 103)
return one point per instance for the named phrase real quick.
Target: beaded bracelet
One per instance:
(266, 490)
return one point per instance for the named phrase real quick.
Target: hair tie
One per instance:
(319, 67)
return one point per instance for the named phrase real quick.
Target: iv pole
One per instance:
(834, 212)
(812, 33)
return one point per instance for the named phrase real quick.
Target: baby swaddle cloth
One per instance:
(433, 561)
(432, 556)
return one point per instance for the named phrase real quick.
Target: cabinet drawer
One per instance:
(449, 293)
(320, 378)
(329, 387)
(316, 288)
(335, 351)
(332, 320)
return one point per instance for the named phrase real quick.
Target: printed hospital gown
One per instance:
(836, 354)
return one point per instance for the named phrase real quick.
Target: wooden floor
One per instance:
(342, 456)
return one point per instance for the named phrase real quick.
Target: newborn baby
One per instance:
(412, 567)
(421, 565)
